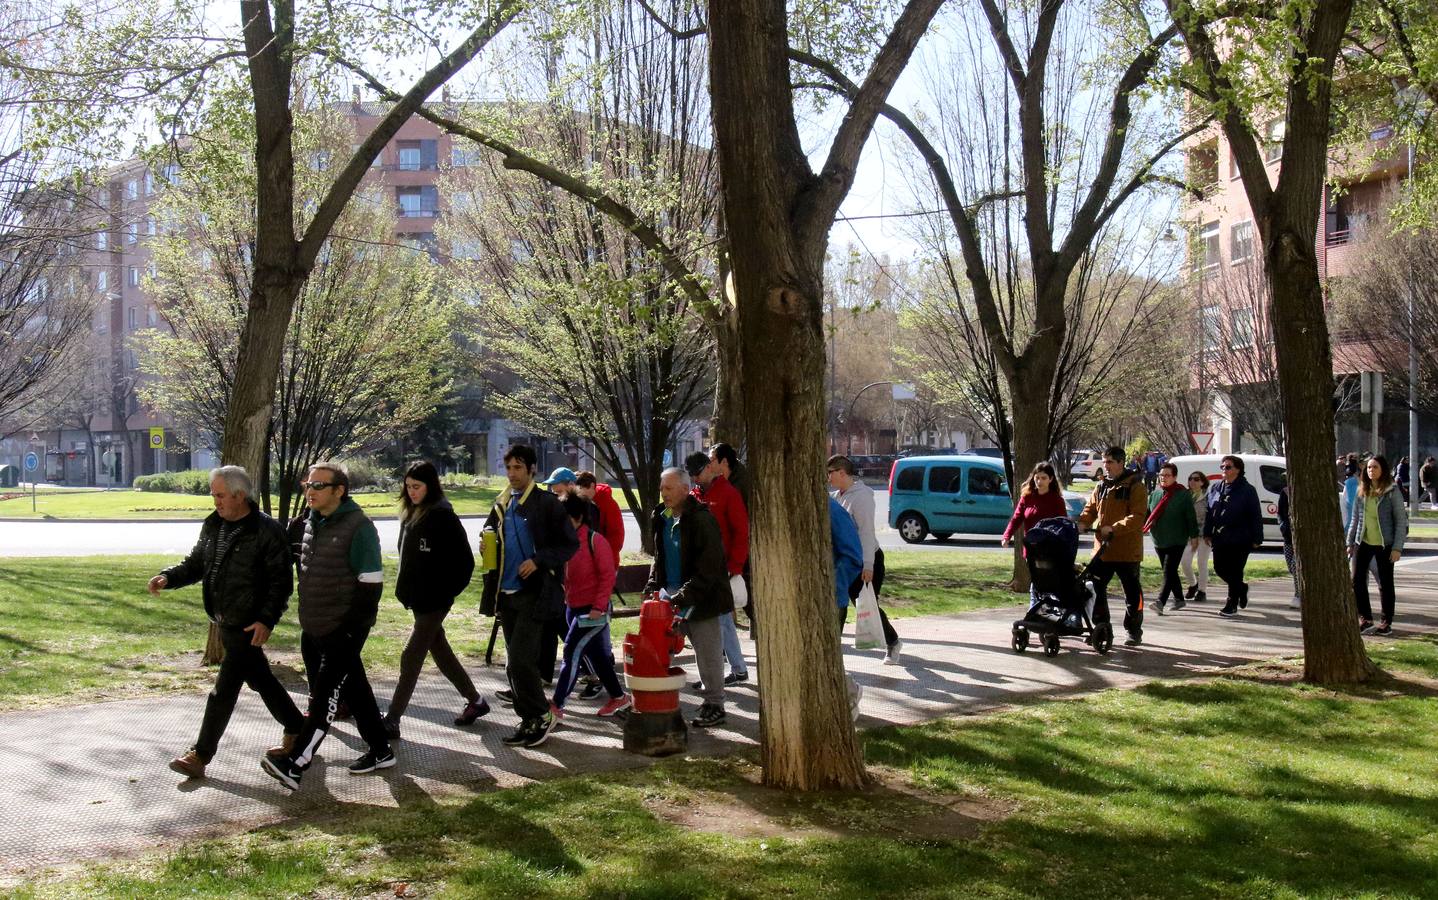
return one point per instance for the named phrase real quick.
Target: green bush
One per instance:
(190, 481)
(367, 476)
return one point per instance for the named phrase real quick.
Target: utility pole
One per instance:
(1413, 461)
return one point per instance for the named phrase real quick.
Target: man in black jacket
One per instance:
(243, 560)
(689, 564)
(526, 589)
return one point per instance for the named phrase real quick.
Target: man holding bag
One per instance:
(857, 499)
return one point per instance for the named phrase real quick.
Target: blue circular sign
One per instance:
(32, 462)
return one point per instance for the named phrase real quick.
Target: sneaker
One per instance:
(615, 705)
(188, 764)
(591, 691)
(1229, 612)
(521, 734)
(474, 709)
(1243, 599)
(506, 697)
(391, 730)
(1133, 640)
(1179, 603)
(283, 771)
(709, 716)
(854, 701)
(1192, 589)
(372, 761)
(1200, 597)
(1385, 627)
(1296, 602)
(697, 685)
(736, 677)
(1159, 607)
(896, 650)
(1372, 628)
(542, 729)
(286, 745)
(1365, 626)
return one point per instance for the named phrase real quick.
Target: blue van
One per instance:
(946, 495)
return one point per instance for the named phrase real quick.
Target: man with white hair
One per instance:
(690, 568)
(242, 559)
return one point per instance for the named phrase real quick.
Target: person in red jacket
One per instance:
(611, 520)
(1041, 498)
(727, 505)
(588, 582)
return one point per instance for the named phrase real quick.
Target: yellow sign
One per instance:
(157, 438)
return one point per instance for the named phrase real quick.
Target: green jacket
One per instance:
(1179, 523)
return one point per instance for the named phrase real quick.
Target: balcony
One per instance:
(409, 166)
(418, 212)
(1340, 237)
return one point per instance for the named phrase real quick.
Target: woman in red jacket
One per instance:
(1041, 498)
(588, 582)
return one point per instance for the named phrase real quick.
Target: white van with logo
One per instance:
(1267, 474)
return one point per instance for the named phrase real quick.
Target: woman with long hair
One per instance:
(1197, 551)
(1174, 526)
(1040, 498)
(1377, 531)
(1233, 527)
(435, 565)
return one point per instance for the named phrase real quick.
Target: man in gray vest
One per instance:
(341, 578)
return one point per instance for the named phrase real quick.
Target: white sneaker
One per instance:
(854, 701)
(1296, 602)
(895, 651)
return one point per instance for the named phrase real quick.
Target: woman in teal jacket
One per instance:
(1377, 530)
(1173, 525)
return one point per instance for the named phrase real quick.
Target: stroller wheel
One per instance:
(1103, 637)
(1051, 645)
(1021, 640)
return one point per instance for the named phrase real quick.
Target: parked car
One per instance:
(990, 452)
(873, 465)
(946, 495)
(1086, 464)
(1267, 474)
(915, 450)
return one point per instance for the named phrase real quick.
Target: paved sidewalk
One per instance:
(90, 782)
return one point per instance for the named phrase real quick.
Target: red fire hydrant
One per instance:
(654, 726)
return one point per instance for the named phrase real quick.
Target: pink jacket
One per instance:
(589, 578)
(1034, 508)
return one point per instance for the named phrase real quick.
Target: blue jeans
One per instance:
(732, 651)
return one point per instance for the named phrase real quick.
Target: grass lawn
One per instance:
(126, 504)
(1244, 786)
(86, 627)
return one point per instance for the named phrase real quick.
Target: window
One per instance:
(1208, 239)
(418, 202)
(1273, 140)
(466, 248)
(1203, 163)
(409, 156)
(132, 233)
(102, 280)
(1274, 478)
(150, 316)
(132, 189)
(102, 240)
(1232, 165)
(463, 155)
(945, 479)
(134, 276)
(149, 183)
(1212, 327)
(151, 270)
(1242, 335)
(320, 160)
(134, 319)
(986, 483)
(463, 201)
(171, 173)
(911, 478)
(150, 226)
(1240, 242)
(102, 322)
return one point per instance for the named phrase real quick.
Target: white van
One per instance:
(1267, 474)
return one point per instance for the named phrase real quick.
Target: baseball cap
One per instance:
(561, 475)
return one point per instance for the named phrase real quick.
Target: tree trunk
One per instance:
(1333, 651)
(214, 650)
(1029, 390)
(728, 422)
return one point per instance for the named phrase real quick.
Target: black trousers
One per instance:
(336, 675)
(1169, 558)
(243, 664)
(891, 637)
(524, 622)
(427, 639)
(1365, 556)
(1102, 572)
(1228, 563)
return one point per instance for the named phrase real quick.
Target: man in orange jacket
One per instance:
(1116, 511)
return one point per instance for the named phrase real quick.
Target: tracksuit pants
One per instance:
(585, 642)
(336, 674)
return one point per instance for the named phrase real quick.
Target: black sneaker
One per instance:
(1192, 589)
(521, 734)
(736, 677)
(506, 697)
(475, 709)
(1229, 612)
(1385, 627)
(372, 761)
(1179, 603)
(283, 771)
(1133, 640)
(1200, 597)
(1243, 599)
(541, 730)
(709, 716)
(391, 730)
(591, 690)
(1365, 626)
(1159, 607)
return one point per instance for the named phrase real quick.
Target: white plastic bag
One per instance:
(868, 632)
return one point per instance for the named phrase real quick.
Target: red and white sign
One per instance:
(1202, 441)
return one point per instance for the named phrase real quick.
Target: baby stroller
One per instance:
(1065, 596)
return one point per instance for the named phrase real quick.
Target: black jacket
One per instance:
(253, 580)
(435, 560)
(554, 543)
(703, 569)
(1235, 518)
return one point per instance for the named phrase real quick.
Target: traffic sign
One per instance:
(32, 462)
(1202, 441)
(157, 438)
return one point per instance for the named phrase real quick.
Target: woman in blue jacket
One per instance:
(1377, 531)
(1233, 527)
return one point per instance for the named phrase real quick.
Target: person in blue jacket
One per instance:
(1233, 527)
(848, 563)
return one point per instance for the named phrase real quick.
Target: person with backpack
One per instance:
(435, 566)
(588, 584)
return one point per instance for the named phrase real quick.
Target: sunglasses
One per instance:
(316, 485)
(1225, 468)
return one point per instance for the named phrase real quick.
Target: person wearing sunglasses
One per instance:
(341, 577)
(1233, 528)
